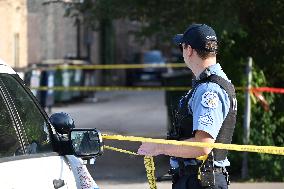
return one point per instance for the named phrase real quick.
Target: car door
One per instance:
(27, 159)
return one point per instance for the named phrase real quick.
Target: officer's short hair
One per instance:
(204, 54)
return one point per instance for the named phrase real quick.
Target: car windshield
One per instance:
(153, 57)
(20, 120)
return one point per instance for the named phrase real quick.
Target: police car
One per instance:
(37, 151)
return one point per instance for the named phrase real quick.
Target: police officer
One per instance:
(207, 113)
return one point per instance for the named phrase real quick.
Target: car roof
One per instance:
(5, 68)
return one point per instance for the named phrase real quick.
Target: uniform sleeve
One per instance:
(209, 105)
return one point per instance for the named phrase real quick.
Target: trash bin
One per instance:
(47, 96)
(77, 77)
(89, 81)
(46, 74)
(32, 79)
(38, 76)
(176, 78)
(62, 79)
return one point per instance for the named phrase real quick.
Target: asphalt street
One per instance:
(128, 113)
(132, 113)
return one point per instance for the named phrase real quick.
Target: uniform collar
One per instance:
(213, 69)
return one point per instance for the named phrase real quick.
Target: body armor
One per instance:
(183, 121)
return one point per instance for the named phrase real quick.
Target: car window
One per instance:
(9, 142)
(31, 122)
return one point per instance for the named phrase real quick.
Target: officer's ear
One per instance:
(189, 50)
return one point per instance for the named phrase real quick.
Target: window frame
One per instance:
(14, 117)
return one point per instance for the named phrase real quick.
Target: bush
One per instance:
(265, 129)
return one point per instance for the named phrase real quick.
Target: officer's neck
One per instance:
(201, 65)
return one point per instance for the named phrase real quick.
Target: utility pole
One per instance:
(247, 117)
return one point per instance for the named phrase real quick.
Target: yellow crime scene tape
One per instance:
(149, 162)
(235, 147)
(117, 88)
(114, 88)
(150, 170)
(108, 88)
(112, 66)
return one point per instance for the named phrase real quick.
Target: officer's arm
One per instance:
(179, 151)
(188, 151)
(202, 136)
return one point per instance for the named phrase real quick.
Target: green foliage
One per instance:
(264, 130)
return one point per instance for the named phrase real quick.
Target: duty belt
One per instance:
(193, 169)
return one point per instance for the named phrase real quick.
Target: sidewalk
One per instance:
(167, 185)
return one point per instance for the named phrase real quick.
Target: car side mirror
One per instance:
(86, 142)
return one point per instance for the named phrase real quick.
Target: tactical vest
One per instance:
(183, 127)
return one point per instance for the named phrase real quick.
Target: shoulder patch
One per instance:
(205, 119)
(210, 100)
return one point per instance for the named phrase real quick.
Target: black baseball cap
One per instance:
(197, 36)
